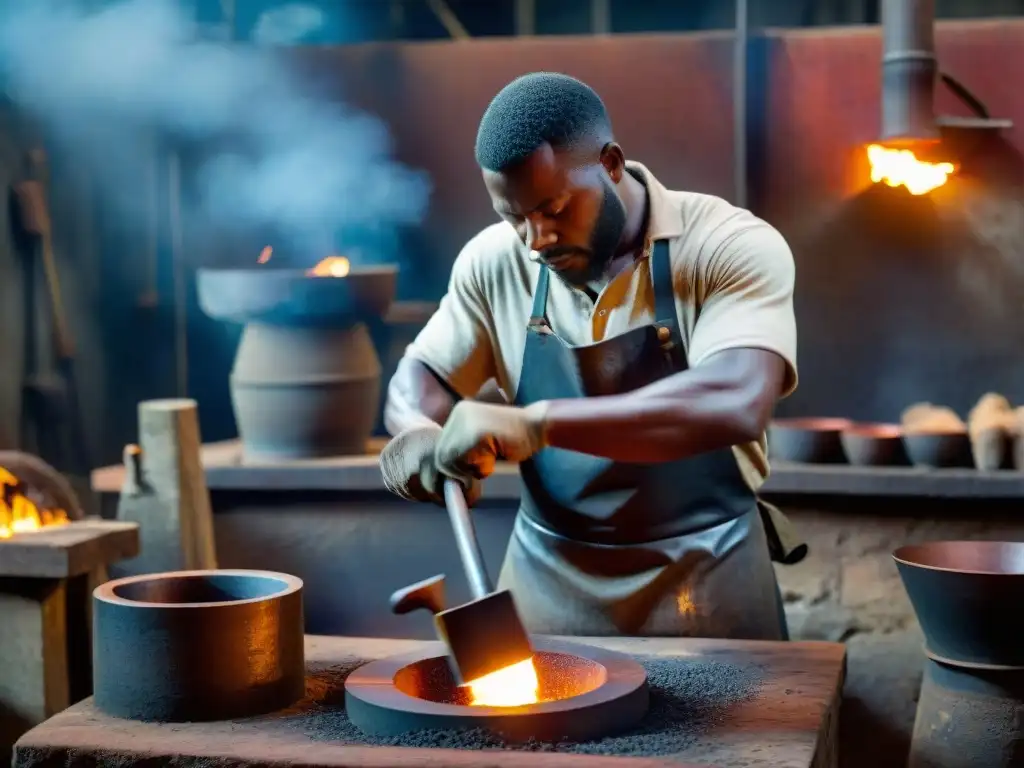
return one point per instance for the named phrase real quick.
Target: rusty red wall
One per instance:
(898, 299)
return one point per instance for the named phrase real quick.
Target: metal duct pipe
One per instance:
(909, 71)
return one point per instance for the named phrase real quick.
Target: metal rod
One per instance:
(601, 17)
(178, 267)
(465, 539)
(739, 93)
(526, 17)
(448, 19)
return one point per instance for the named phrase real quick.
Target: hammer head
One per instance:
(483, 636)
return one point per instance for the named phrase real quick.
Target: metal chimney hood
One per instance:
(910, 73)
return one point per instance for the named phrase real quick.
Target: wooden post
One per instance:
(165, 492)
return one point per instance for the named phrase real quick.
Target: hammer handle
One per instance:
(465, 538)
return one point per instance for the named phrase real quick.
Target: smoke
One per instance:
(106, 84)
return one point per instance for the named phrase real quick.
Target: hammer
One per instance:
(484, 635)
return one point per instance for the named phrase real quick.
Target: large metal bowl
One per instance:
(967, 597)
(291, 297)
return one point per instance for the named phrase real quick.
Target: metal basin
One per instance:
(291, 297)
(967, 597)
(584, 693)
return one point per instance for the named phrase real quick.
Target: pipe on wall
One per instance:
(909, 70)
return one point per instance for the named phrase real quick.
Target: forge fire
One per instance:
(19, 513)
(513, 686)
(329, 266)
(896, 167)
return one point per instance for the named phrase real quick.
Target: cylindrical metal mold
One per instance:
(965, 595)
(909, 71)
(585, 693)
(305, 392)
(198, 645)
(968, 718)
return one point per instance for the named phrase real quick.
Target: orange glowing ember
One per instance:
(18, 514)
(332, 266)
(901, 168)
(514, 686)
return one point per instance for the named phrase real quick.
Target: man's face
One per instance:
(565, 208)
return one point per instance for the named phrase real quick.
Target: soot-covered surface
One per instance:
(688, 698)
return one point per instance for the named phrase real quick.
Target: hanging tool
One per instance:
(51, 412)
(485, 635)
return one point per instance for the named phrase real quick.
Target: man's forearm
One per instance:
(414, 397)
(726, 402)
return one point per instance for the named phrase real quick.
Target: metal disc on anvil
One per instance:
(585, 693)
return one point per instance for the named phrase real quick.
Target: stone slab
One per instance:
(226, 471)
(789, 722)
(62, 551)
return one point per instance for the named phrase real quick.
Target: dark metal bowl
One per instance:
(966, 595)
(808, 441)
(939, 449)
(585, 693)
(874, 445)
(265, 294)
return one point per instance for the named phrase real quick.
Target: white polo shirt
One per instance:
(733, 276)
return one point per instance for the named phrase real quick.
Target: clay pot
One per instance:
(939, 449)
(807, 441)
(874, 445)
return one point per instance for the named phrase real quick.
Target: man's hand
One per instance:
(477, 434)
(409, 470)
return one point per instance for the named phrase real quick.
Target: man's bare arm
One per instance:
(722, 402)
(416, 395)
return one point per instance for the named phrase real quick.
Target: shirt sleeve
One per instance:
(748, 285)
(456, 343)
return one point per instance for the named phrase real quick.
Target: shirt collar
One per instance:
(664, 216)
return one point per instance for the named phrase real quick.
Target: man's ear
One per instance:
(614, 161)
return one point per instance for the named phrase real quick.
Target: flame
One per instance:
(18, 514)
(332, 266)
(900, 167)
(514, 686)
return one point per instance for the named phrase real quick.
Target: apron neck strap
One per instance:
(538, 315)
(661, 276)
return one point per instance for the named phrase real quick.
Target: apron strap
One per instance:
(538, 315)
(665, 304)
(661, 275)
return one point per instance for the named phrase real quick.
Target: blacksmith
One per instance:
(642, 337)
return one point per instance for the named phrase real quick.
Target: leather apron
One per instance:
(603, 548)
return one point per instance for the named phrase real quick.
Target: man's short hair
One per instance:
(539, 108)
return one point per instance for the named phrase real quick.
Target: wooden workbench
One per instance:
(791, 721)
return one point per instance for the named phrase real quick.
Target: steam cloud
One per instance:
(105, 82)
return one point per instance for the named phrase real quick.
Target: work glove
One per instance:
(409, 470)
(477, 434)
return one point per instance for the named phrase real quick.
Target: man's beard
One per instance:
(604, 241)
